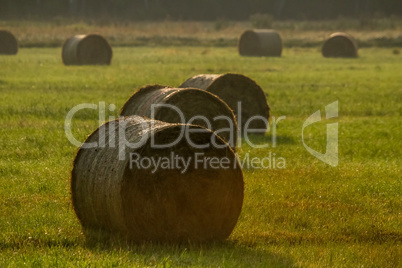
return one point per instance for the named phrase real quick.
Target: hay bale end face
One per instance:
(260, 43)
(8, 43)
(340, 45)
(87, 50)
(243, 95)
(163, 204)
(192, 103)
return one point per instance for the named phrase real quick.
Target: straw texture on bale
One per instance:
(235, 88)
(266, 43)
(87, 50)
(340, 45)
(192, 102)
(168, 204)
(8, 43)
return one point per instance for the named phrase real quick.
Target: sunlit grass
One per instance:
(382, 32)
(307, 214)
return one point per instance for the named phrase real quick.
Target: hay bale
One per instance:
(340, 45)
(191, 102)
(199, 204)
(8, 43)
(87, 50)
(260, 43)
(234, 88)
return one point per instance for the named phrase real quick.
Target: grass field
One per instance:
(384, 32)
(308, 214)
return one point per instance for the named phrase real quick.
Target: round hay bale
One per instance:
(87, 50)
(192, 103)
(340, 45)
(8, 43)
(168, 204)
(260, 43)
(235, 88)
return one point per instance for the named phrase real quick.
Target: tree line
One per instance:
(198, 10)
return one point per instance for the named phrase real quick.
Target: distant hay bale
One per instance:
(168, 204)
(340, 45)
(8, 43)
(87, 50)
(192, 103)
(260, 43)
(235, 88)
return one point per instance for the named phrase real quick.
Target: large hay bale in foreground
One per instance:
(8, 43)
(340, 45)
(87, 50)
(191, 103)
(235, 88)
(260, 43)
(168, 204)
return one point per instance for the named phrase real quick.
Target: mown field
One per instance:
(369, 32)
(308, 214)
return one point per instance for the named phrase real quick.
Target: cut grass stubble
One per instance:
(308, 214)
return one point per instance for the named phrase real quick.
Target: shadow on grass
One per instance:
(211, 254)
(145, 254)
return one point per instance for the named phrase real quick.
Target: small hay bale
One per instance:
(260, 43)
(8, 43)
(168, 204)
(192, 102)
(87, 50)
(340, 45)
(235, 88)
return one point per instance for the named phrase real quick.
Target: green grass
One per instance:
(33, 33)
(306, 215)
